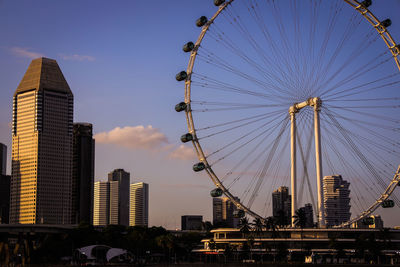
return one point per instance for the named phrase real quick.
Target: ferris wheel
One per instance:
(287, 92)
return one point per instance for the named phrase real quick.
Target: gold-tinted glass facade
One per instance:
(42, 147)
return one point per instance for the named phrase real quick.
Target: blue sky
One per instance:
(120, 59)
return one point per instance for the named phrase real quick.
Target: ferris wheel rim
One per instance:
(393, 48)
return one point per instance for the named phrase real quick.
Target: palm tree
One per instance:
(258, 226)
(300, 218)
(244, 226)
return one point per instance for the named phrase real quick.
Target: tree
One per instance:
(258, 226)
(300, 218)
(166, 242)
(244, 226)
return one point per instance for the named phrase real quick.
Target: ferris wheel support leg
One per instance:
(293, 163)
(318, 163)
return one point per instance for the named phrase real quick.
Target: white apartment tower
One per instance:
(139, 204)
(336, 200)
(105, 208)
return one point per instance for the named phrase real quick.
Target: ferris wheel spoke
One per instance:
(272, 74)
(235, 121)
(264, 132)
(357, 73)
(365, 127)
(348, 169)
(358, 153)
(351, 28)
(213, 59)
(212, 83)
(284, 70)
(366, 143)
(358, 51)
(266, 165)
(244, 124)
(372, 115)
(358, 91)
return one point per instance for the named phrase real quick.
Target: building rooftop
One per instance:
(43, 73)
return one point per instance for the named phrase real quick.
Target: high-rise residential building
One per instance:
(83, 173)
(114, 198)
(281, 205)
(191, 222)
(41, 174)
(3, 159)
(336, 200)
(123, 178)
(101, 203)
(139, 206)
(223, 212)
(105, 207)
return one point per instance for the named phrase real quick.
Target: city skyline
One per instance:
(114, 85)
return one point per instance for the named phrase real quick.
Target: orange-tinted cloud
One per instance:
(134, 137)
(183, 152)
(24, 52)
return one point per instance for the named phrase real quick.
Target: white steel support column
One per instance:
(316, 103)
(292, 112)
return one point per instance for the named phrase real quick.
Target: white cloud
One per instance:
(24, 52)
(183, 152)
(134, 137)
(77, 57)
(145, 138)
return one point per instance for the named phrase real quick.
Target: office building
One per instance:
(4, 187)
(281, 205)
(5, 198)
(105, 207)
(223, 213)
(3, 159)
(307, 210)
(336, 200)
(139, 204)
(191, 222)
(123, 178)
(42, 125)
(83, 173)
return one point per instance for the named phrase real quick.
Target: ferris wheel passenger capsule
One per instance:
(201, 21)
(386, 23)
(188, 47)
(217, 192)
(388, 203)
(218, 2)
(199, 167)
(186, 138)
(180, 106)
(366, 3)
(181, 76)
(368, 221)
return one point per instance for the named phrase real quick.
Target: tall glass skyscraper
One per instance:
(41, 174)
(83, 173)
